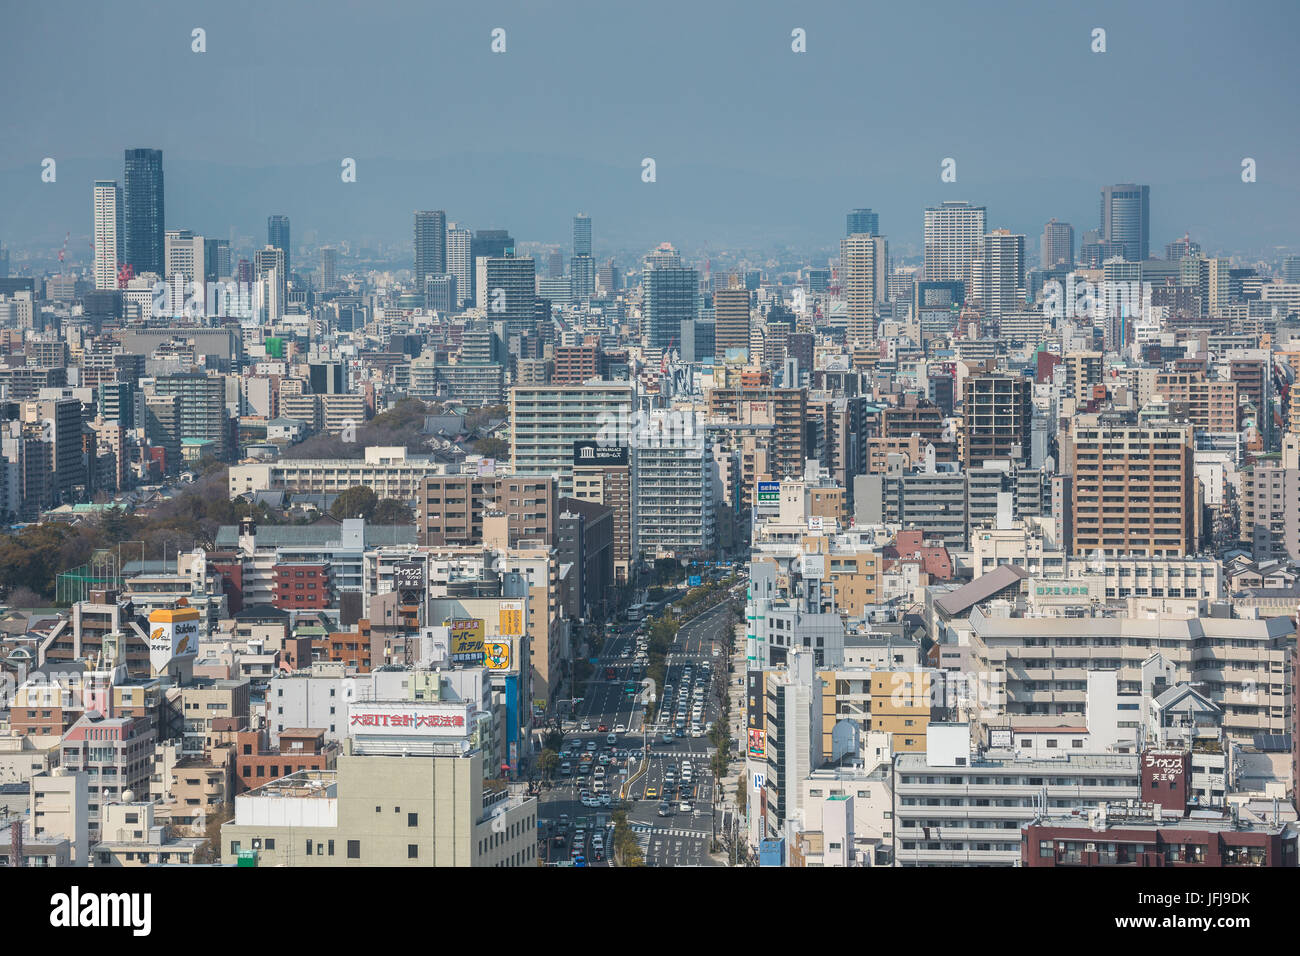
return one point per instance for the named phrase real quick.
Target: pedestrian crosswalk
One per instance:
(642, 828)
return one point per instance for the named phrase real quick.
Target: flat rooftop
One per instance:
(1118, 763)
(1197, 820)
(319, 784)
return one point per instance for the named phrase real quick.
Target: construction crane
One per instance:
(663, 362)
(64, 251)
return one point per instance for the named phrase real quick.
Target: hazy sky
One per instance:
(754, 144)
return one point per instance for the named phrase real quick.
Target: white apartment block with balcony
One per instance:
(955, 806)
(1039, 665)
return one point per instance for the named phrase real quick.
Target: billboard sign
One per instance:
(408, 577)
(758, 744)
(466, 640)
(172, 633)
(693, 580)
(767, 497)
(510, 619)
(755, 689)
(496, 655)
(409, 718)
(593, 454)
(1164, 778)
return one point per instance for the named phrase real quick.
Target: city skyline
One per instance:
(1045, 160)
(573, 434)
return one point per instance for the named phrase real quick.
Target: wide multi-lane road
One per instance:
(662, 769)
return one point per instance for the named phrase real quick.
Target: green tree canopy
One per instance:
(359, 501)
(392, 511)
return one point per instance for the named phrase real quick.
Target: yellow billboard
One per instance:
(510, 622)
(496, 655)
(466, 640)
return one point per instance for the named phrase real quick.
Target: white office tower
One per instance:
(675, 509)
(185, 265)
(109, 233)
(953, 231)
(268, 298)
(998, 279)
(864, 264)
(459, 262)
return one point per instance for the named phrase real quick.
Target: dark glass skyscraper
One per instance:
(1126, 218)
(145, 219)
(582, 234)
(430, 245)
(582, 267)
(277, 234)
(862, 221)
(671, 298)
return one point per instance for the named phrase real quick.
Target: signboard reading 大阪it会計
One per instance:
(408, 718)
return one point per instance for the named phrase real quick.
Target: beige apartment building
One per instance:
(899, 702)
(1040, 665)
(1083, 370)
(451, 508)
(1209, 406)
(389, 472)
(385, 811)
(1135, 489)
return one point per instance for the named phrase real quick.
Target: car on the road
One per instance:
(686, 807)
(665, 738)
(564, 820)
(678, 732)
(619, 729)
(602, 728)
(597, 854)
(665, 810)
(651, 793)
(566, 769)
(697, 730)
(586, 726)
(611, 739)
(591, 746)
